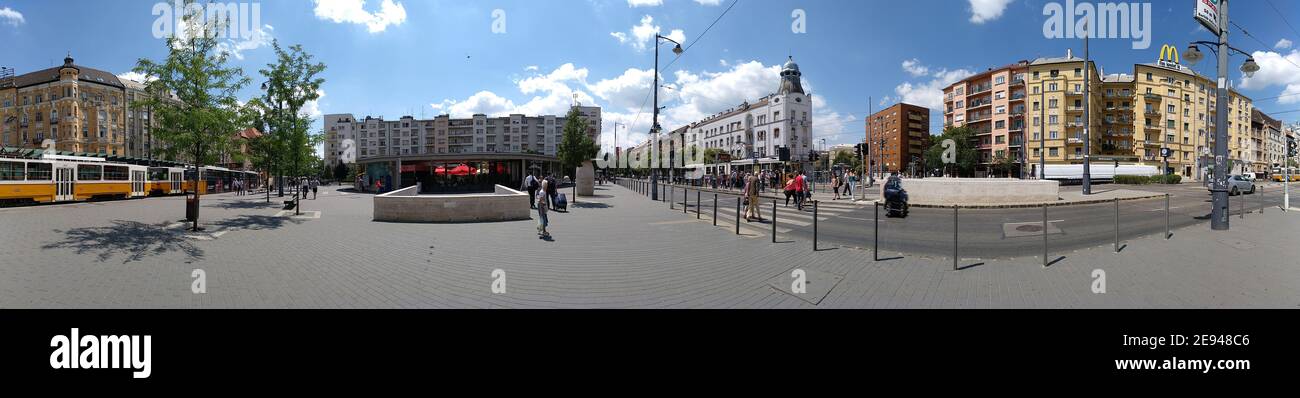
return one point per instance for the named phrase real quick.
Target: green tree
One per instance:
(845, 157)
(576, 147)
(340, 171)
(291, 83)
(967, 156)
(200, 124)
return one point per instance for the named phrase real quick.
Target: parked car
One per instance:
(1238, 184)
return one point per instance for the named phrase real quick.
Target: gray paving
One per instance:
(616, 250)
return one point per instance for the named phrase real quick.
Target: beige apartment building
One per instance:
(76, 108)
(1132, 116)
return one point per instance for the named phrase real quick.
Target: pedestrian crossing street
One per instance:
(788, 218)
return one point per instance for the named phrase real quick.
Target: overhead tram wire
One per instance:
(1283, 16)
(1261, 43)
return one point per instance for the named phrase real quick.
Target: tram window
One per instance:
(11, 171)
(88, 172)
(158, 174)
(39, 171)
(116, 173)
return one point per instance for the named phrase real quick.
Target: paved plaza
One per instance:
(618, 249)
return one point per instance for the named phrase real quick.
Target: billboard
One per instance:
(1207, 13)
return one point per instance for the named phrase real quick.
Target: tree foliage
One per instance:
(967, 156)
(576, 146)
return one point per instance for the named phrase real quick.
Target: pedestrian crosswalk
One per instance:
(788, 218)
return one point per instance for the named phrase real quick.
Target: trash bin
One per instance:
(191, 208)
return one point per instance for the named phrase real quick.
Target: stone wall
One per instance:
(405, 205)
(980, 191)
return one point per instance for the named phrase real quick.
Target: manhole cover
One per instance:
(1029, 228)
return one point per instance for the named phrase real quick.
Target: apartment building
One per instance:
(993, 105)
(1271, 139)
(899, 135)
(76, 108)
(1131, 117)
(443, 135)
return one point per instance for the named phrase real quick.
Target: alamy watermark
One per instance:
(1117, 20)
(228, 20)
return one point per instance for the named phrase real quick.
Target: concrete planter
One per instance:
(405, 205)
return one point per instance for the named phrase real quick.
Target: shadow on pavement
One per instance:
(247, 205)
(133, 239)
(590, 205)
(255, 222)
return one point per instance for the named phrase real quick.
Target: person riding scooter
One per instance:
(895, 196)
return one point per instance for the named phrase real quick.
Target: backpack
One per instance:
(532, 183)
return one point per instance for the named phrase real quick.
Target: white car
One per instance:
(1238, 184)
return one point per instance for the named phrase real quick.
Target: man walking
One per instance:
(551, 188)
(531, 184)
(751, 192)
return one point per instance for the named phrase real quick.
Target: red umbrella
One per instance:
(463, 170)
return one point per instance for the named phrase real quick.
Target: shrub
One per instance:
(1166, 179)
(1129, 179)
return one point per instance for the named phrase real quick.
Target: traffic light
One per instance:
(1290, 147)
(783, 154)
(857, 150)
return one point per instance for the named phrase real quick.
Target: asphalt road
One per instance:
(993, 233)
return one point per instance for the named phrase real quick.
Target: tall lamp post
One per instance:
(654, 126)
(1219, 213)
(617, 166)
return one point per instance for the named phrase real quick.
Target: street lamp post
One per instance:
(1219, 213)
(654, 126)
(1087, 115)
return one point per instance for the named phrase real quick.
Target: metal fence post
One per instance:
(1242, 207)
(737, 215)
(1261, 199)
(669, 198)
(1167, 216)
(1044, 235)
(955, 253)
(715, 209)
(697, 204)
(875, 249)
(1117, 225)
(815, 202)
(685, 200)
(773, 221)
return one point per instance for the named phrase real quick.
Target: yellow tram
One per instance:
(66, 178)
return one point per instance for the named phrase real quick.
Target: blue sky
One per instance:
(425, 57)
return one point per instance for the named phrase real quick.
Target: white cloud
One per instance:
(312, 108)
(136, 77)
(531, 68)
(914, 67)
(927, 93)
(627, 91)
(353, 11)
(10, 17)
(1274, 70)
(708, 2)
(234, 47)
(641, 36)
(695, 94)
(1283, 44)
(833, 126)
(987, 10)
(644, 3)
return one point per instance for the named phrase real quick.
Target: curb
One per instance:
(1031, 205)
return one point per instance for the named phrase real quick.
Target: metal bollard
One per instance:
(737, 216)
(1260, 190)
(773, 221)
(1044, 235)
(875, 248)
(715, 209)
(815, 202)
(685, 200)
(1117, 225)
(1242, 207)
(955, 253)
(669, 198)
(1167, 217)
(697, 204)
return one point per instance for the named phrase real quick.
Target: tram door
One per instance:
(177, 178)
(64, 184)
(137, 183)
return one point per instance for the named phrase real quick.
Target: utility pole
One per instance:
(1087, 115)
(1219, 213)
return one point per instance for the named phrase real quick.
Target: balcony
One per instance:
(1074, 140)
(1152, 97)
(1151, 112)
(1151, 127)
(979, 104)
(1074, 93)
(1017, 82)
(1015, 127)
(1018, 97)
(1074, 109)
